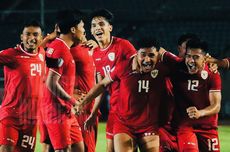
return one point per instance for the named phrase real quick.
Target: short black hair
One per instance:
(32, 22)
(197, 44)
(68, 18)
(104, 13)
(185, 37)
(147, 42)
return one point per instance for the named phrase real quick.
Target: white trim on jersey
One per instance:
(55, 72)
(108, 45)
(30, 54)
(214, 90)
(63, 42)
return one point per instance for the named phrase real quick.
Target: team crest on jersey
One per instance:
(41, 57)
(50, 51)
(204, 74)
(111, 56)
(154, 73)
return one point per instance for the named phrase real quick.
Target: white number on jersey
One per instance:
(35, 69)
(212, 143)
(193, 84)
(28, 141)
(106, 69)
(143, 85)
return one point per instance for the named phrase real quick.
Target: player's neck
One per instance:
(104, 44)
(31, 51)
(67, 39)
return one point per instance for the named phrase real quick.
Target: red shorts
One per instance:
(60, 135)
(198, 139)
(89, 136)
(109, 126)
(168, 140)
(22, 137)
(133, 131)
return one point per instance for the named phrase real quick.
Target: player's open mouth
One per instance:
(99, 33)
(191, 67)
(147, 65)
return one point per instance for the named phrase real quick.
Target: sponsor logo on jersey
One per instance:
(50, 51)
(111, 56)
(41, 57)
(204, 74)
(24, 56)
(98, 59)
(154, 73)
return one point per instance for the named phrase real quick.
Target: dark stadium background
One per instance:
(164, 19)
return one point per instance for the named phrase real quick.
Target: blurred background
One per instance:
(164, 19)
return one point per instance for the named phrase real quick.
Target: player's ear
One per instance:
(73, 29)
(110, 28)
(21, 37)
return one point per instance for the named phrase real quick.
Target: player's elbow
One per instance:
(218, 106)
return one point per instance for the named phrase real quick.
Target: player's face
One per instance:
(194, 60)
(31, 37)
(147, 58)
(79, 32)
(101, 29)
(182, 49)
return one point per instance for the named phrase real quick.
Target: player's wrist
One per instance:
(202, 113)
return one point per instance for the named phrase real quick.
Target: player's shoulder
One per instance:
(10, 51)
(209, 73)
(120, 41)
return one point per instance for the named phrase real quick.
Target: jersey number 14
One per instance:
(143, 85)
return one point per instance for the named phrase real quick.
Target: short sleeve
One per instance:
(56, 54)
(127, 49)
(8, 57)
(215, 82)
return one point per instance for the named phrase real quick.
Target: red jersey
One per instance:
(23, 80)
(107, 59)
(192, 90)
(53, 105)
(85, 70)
(141, 94)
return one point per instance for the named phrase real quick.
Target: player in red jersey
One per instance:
(167, 132)
(137, 115)
(107, 56)
(197, 93)
(58, 124)
(84, 81)
(24, 69)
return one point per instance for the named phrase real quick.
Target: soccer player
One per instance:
(197, 93)
(181, 43)
(24, 70)
(111, 51)
(137, 115)
(84, 81)
(58, 124)
(167, 132)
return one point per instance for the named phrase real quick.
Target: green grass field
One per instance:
(224, 133)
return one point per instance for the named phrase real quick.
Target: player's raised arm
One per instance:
(223, 63)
